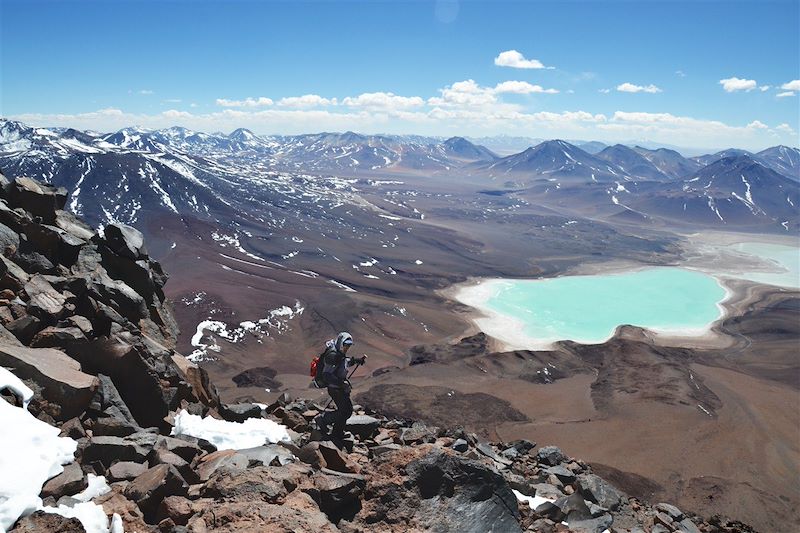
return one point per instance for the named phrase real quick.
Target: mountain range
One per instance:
(219, 177)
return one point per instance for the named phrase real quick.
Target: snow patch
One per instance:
(230, 435)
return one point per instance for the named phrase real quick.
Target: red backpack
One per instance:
(316, 373)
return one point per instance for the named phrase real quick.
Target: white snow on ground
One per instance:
(277, 319)
(230, 435)
(92, 516)
(418, 262)
(533, 501)
(341, 285)
(30, 454)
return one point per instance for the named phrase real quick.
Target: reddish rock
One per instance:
(68, 483)
(154, 485)
(40, 522)
(60, 376)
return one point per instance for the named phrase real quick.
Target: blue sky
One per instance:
(704, 73)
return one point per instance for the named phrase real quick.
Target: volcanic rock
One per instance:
(125, 241)
(152, 486)
(40, 521)
(550, 455)
(70, 481)
(599, 491)
(125, 471)
(39, 199)
(60, 376)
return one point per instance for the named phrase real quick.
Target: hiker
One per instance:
(335, 367)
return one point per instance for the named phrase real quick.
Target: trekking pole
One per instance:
(348, 379)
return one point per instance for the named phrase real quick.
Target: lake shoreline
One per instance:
(703, 253)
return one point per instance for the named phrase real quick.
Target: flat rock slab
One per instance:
(70, 481)
(59, 375)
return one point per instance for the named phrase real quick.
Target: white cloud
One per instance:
(464, 93)
(514, 59)
(521, 87)
(631, 88)
(680, 73)
(146, 92)
(764, 88)
(604, 91)
(307, 100)
(247, 102)
(793, 85)
(785, 128)
(173, 101)
(737, 84)
(784, 95)
(758, 125)
(382, 100)
(175, 114)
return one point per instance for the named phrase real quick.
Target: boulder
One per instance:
(132, 517)
(564, 475)
(686, 526)
(39, 199)
(60, 376)
(671, 510)
(334, 458)
(73, 226)
(55, 337)
(44, 301)
(460, 445)
(418, 432)
(458, 494)
(125, 241)
(487, 450)
(599, 491)
(223, 460)
(363, 426)
(189, 451)
(8, 239)
(298, 513)
(261, 483)
(239, 412)
(591, 525)
(125, 471)
(161, 456)
(12, 276)
(550, 455)
(152, 486)
(176, 508)
(522, 446)
(338, 495)
(24, 328)
(69, 482)
(268, 455)
(385, 448)
(40, 521)
(108, 449)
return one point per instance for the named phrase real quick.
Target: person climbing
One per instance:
(335, 367)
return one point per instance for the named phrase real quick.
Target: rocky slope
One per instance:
(84, 321)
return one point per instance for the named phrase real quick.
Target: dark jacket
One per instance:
(335, 366)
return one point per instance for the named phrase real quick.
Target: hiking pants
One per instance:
(344, 408)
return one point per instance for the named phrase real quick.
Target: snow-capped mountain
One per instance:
(782, 159)
(243, 178)
(669, 162)
(460, 148)
(730, 152)
(732, 191)
(632, 163)
(554, 160)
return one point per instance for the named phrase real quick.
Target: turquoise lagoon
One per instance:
(588, 309)
(678, 301)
